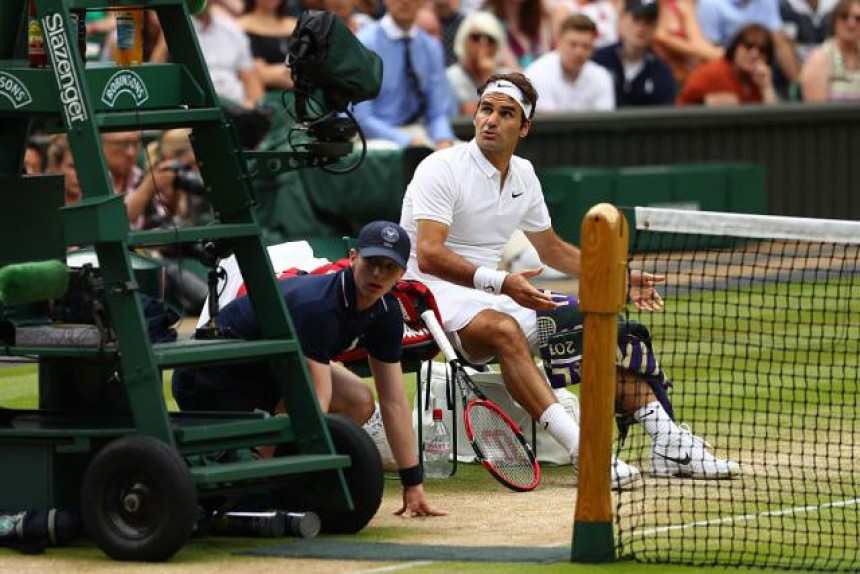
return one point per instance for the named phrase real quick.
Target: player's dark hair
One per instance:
(745, 35)
(520, 81)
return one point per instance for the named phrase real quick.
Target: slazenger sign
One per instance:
(14, 90)
(125, 82)
(61, 58)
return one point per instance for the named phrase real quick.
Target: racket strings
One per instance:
(501, 447)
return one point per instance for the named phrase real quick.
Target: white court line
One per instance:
(396, 567)
(746, 517)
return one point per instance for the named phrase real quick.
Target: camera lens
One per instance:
(188, 180)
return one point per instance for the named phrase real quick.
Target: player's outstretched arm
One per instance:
(397, 418)
(555, 252)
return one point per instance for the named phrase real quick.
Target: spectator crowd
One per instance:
(581, 55)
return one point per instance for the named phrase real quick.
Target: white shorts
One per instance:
(458, 305)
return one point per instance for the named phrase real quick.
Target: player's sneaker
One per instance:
(376, 430)
(623, 474)
(683, 454)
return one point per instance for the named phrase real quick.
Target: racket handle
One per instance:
(439, 335)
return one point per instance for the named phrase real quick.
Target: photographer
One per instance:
(170, 195)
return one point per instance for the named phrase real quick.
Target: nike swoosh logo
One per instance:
(680, 460)
(515, 195)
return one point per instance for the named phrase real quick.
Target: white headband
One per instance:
(509, 89)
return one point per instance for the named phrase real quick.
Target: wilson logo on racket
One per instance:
(496, 439)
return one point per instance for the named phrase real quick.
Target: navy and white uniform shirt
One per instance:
(652, 85)
(326, 318)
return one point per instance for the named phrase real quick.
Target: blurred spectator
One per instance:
(450, 18)
(268, 27)
(120, 151)
(806, 24)
(566, 79)
(469, 6)
(721, 20)
(679, 39)
(640, 77)
(175, 194)
(604, 14)
(528, 26)
(228, 8)
(371, 8)
(412, 106)
(743, 76)
(832, 72)
(227, 52)
(60, 161)
(427, 20)
(345, 10)
(32, 159)
(176, 199)
(479, 46)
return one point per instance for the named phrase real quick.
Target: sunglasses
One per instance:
(476, 37)
(853, 17)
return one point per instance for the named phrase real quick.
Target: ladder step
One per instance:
(207, 430)
(192, 234)
(157, 118)
(218, 474)
(219, 351)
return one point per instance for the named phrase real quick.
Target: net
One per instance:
(761, 339)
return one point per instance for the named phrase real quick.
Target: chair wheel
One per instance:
(364, 477)
(138, 500)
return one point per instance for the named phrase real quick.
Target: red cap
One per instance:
(437, 414)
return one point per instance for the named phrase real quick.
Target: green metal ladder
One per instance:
(83, 102)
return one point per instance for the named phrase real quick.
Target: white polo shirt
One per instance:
(459, 187)
(592, 90)
(227, 51)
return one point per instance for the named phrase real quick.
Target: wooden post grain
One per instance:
(602, 295)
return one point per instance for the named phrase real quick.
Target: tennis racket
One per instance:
(496, 439)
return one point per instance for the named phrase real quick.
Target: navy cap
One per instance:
(646, 8)
(384, 239)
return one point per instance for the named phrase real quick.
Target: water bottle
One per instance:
(437, 449)
(36, 53)
(129, 37)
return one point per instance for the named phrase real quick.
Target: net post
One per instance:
(602, 295)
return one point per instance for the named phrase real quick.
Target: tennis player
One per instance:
(459, 210)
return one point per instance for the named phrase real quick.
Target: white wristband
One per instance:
(489, 280)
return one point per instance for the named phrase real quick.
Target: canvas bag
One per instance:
(548, 450)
